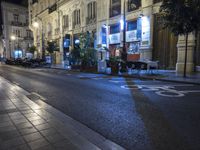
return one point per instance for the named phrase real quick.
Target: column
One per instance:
(181, 54)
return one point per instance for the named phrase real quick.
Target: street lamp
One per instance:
(14, 38)
(123, 27)
(36, 25)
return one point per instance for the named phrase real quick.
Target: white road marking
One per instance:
(162, 90)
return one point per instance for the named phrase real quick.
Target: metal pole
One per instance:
(124, 53)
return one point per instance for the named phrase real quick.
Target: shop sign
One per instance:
(114, 38)
(145, 31)
(131, 36)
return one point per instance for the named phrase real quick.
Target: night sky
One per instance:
(20, 2)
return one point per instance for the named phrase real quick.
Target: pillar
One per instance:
(181, 54)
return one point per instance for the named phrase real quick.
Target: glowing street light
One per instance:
(13, 38)
(36, 24)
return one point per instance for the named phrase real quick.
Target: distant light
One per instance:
(13, 37)
(122, 24)
(36, 24)
(77, 41)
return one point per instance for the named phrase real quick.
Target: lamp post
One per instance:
(36, 25)
(15, 38)
(123, 25)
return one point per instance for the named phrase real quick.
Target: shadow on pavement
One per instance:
(162, 135)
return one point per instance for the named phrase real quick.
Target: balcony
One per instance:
(90, 20)
(52, 8)
(49, 34)
(57, 31)
(66, 27)
(28, 38)
(18, 24)
(75, 26)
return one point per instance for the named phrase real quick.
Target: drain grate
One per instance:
(33, 97)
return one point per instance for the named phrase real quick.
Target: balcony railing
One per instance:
(49, 34)
(90, 20)
(52, 8)
(19, 24)
(57, 31)
(75, 26)
(28, 38)
(66, 27)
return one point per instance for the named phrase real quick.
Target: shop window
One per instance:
(132, 25)
(115, 8)
(133, 5)
(115, 29)
(104, 37)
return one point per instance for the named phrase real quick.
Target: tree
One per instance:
(182, 18)
(32, 49)
(52, 46)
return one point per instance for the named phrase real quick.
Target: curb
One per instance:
(136, 77)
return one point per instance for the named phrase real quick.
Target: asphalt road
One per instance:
(137, 114)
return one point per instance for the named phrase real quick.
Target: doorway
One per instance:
(164, 45)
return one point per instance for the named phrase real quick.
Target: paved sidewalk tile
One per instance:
(25, 125)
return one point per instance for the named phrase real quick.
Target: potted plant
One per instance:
(113, 63)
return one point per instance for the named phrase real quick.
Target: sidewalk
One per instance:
(162, 75)
(32, 124)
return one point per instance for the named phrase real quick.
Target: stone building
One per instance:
(64, 20)
(17, 36)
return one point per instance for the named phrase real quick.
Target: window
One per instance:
(16, 17)
(91, 7)
(28, 33)
(115, 8)
(76, 17)
(114, 29)
(133, 5)
(65, 21)
(18, 33)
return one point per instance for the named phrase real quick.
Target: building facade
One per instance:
(64, 20)
(16, 37)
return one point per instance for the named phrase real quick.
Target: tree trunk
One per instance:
(186, 48)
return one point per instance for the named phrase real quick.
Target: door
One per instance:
(197, 53)
(164, 45)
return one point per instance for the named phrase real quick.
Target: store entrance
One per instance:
(164, 45)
